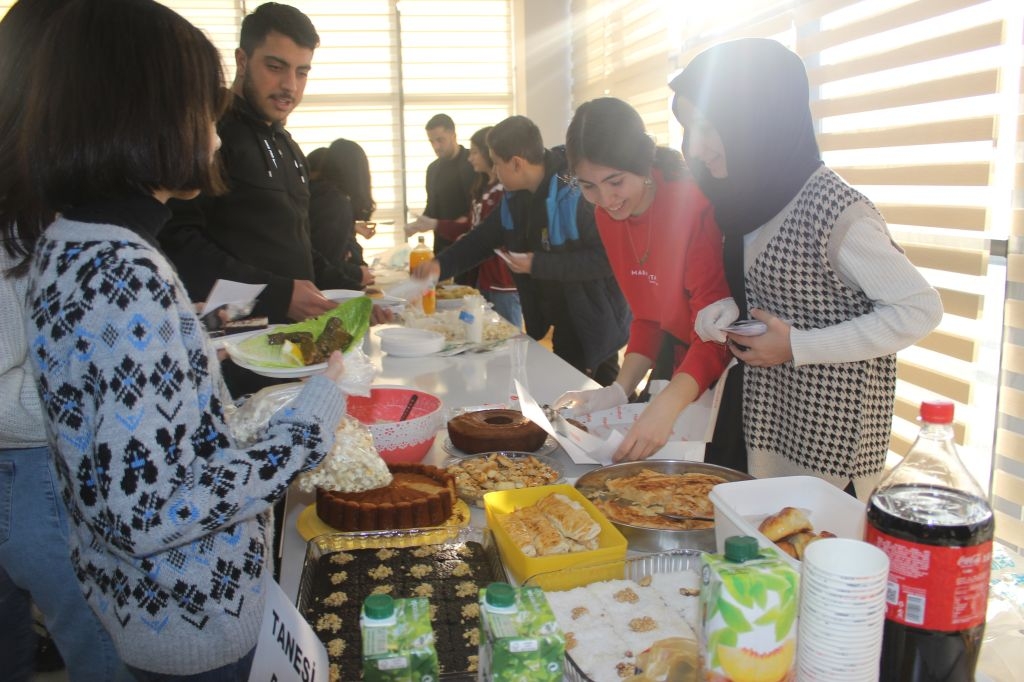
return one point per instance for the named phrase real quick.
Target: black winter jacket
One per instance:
(258, 232)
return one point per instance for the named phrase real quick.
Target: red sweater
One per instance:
(682, 274)
(493, 274)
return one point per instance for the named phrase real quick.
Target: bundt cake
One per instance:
(493, 430)
(419, 495)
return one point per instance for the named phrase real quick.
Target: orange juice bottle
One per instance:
(422, 254)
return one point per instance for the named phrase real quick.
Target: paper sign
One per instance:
(606, 429)
(226, 292)
(582, 447)
(288, 649)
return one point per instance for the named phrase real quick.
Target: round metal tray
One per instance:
(646, 539)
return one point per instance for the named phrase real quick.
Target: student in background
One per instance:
(170, 522)
(660, 236)
(809, 256)
(340, 206)
(558, 263)
(449, 181)
(35, 563)
(494, 279)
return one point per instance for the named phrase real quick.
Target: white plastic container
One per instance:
(742, 505)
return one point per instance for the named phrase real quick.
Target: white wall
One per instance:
(545, 49)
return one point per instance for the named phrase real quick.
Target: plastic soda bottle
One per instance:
(421, 253)
(934, 521)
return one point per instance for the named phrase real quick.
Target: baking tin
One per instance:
(646, 539)
(635, 568)
(340, 542)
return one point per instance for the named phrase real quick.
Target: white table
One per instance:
(460, 381)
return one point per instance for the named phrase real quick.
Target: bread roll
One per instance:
(788, 521)
(800, 542)
(787, 547)
(569, 517)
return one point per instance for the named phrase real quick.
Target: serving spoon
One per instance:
(682, 517)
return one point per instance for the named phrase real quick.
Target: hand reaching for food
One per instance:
(576, 403)
(421, 224)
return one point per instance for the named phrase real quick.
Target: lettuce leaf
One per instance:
(355, 317)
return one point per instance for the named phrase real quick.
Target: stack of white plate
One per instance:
(405, 342)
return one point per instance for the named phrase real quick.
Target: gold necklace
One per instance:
(641, 260)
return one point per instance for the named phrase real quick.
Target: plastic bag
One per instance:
(353, 464)
(249, 420)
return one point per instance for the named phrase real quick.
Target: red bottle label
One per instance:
(933, 587)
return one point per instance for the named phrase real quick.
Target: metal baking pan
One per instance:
(645, 539)
(340, 542)
(635, 568)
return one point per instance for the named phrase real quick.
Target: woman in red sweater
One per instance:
(666, 252)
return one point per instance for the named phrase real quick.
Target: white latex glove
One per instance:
(421, 224)
(712, 318)
(575, 403)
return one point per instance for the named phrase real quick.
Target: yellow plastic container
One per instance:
(611, 543)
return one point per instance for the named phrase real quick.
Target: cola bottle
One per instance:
(935, 523)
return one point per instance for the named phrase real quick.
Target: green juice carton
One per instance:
(398, 642)
(520, 640)
(748, 607)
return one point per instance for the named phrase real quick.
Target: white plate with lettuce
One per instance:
(285, 361)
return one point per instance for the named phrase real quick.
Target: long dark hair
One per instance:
(609, 132)
(93, 135)
(482, 180)
(20, 32)
(345, 166)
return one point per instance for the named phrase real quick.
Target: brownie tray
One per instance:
(342, 569)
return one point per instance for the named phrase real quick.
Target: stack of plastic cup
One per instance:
(842, 611)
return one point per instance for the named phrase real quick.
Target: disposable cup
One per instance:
(842, 611)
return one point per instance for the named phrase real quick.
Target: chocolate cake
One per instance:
(449, 575)
(418, 496)
(493, 430)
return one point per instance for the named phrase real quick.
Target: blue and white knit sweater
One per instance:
(171, 520)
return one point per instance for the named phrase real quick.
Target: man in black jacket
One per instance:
(258, 232)
(553, 250)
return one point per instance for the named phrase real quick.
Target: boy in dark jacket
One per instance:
(553, 249)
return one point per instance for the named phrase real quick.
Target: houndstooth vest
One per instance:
(832, 418)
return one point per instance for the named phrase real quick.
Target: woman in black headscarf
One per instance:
(807, 255)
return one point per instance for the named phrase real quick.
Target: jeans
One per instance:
(506, 304)
(232, 672)
(35, 565)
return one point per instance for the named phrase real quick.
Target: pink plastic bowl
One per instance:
(399, 441)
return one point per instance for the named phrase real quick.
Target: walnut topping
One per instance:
(421, 570)
(336, 598)
(462, 569)
(470, 611)
(380, 572)
(339, 577)
(424, 590)
(386, 554)
(425, 551)
(579, 612)
(474, 663)
(642, 624)
(466, 589)
(336, 647)
(342, 558)
(472, 636)
(624, 670)
(383, 589)
(626, 596)
(328, 621)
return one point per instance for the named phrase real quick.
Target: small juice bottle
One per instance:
(421, 254)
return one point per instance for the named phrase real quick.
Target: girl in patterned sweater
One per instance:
(170, 518)
(808, 255)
